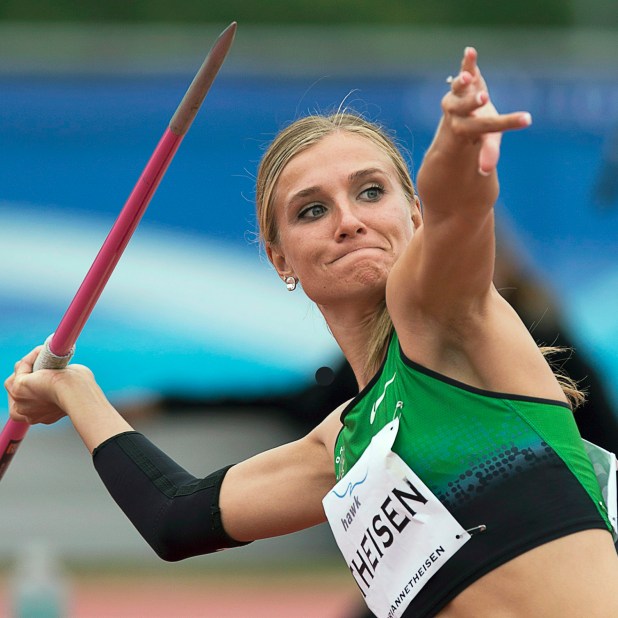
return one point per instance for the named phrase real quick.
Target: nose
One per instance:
(349, 223)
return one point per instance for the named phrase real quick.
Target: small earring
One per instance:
(290, 283)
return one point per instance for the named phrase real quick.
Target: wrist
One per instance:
(74, 390)
(83, 401)
(450, 142)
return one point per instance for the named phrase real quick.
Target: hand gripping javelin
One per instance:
(59, 346)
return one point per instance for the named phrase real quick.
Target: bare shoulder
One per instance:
(485, 346)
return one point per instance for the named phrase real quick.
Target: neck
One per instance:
(352, 328)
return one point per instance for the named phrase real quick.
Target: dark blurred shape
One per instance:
(304, 408)
(324, 376)
(596, 419)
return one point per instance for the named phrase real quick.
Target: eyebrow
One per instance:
(359, 174)
(366, 172)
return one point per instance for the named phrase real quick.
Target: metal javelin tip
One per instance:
(191, 102)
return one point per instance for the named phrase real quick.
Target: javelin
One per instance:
(59, 346)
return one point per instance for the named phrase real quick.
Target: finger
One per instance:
(464, 106)
(470, 65)
(23, 366)
(479, 125)
(469, 61)
(489, 154)
(18, 417)
(26, 364)
(461, 82)
(9, 382)
(14, 415)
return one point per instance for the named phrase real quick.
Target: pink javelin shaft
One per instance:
(59, 347)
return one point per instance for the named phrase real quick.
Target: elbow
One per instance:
(168, 550)
(183, 530)
(166, 537)
(168, 554)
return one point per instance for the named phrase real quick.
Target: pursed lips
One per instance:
(355, 250)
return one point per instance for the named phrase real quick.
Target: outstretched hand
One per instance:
(471, 115)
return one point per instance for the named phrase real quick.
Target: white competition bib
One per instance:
(391, 529)
(605, 468)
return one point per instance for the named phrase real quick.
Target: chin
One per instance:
(362, 281)
(369, 274)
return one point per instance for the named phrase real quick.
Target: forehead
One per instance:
(340, 153)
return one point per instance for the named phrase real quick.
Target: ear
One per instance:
(417, 217)
(277, 259)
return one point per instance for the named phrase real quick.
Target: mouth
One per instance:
(356, 250)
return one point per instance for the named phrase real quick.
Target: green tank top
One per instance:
(516, 464)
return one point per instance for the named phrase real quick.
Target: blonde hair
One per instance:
(301, 135)
(575, 395)
(298, 137)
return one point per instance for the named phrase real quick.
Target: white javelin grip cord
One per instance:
(48, 360)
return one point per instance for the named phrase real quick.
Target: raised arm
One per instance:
(449, 263)
(179, 515)
(440, 295)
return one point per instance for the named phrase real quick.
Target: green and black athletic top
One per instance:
(513, 463)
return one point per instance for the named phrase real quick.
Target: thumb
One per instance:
(490, 153)
(26, 364)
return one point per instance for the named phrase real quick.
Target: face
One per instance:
(343, 218)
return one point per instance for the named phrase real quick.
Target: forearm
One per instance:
(92, 415)
(175, 512)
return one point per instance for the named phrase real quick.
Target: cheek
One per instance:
(298, 253)
(406, 227)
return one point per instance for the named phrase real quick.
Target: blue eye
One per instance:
(312, 212)
(373, 193)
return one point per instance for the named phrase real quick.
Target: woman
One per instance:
(435, 350)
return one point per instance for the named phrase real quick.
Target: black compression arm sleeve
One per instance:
(176, 513)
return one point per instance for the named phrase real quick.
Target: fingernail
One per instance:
(482, 172)
(526, 119)
(480, 98)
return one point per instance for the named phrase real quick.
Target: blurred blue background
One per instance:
(193, 306)
(193, 310)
